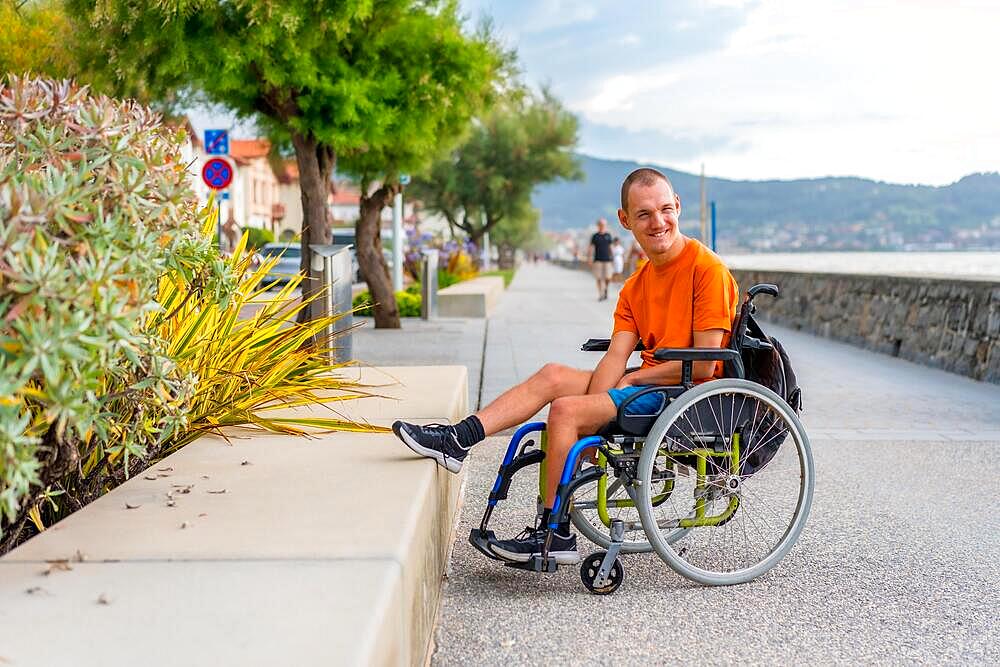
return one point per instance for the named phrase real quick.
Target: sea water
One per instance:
(977, 265)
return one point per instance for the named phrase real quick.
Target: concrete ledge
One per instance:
(266, 549)
(471, 298)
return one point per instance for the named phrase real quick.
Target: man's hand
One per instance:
(611, 368)
(624, 382)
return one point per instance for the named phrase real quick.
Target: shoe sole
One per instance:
(560, 557)
(451, 465)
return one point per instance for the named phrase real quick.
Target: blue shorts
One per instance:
(648, 404)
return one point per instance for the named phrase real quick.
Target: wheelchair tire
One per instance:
(588, 573)
(740, 525)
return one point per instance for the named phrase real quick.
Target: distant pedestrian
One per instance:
(618, 258)
(601, 258)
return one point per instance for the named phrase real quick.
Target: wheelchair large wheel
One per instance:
(586, 515)
(744, 482)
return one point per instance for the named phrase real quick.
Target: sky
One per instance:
(902, 91)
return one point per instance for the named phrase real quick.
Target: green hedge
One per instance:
(407, 302)
(258, 237)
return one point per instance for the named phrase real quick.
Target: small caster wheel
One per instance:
(591, 565)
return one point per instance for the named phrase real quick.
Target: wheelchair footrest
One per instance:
(481, 541)
(535, 564)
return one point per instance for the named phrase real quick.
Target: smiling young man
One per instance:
(683, 297)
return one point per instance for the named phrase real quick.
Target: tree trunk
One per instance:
(315, 166)
(371, 262)
(507, 255)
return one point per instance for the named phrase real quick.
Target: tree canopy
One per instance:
(357, 79)
(33, 39)
(526, 140)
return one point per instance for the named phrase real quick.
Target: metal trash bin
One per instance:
(429, 284)
(330, 266)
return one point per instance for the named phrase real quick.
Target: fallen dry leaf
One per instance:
(35, 590)
(203, 514)
(185, 525)
(152, 477)
(171, 503)
(204, 477)
(103, 599)
(219, 491)
(130, 506)
(57, 565)
(167, 469)
(246, 463)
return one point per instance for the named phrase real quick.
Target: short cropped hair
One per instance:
(643, 176)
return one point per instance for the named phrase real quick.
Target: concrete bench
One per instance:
(273, 550)
(470, 298)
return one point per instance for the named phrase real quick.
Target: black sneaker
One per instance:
(530, 542)
(435, 441)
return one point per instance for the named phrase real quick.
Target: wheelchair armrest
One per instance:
(695, 354)
(602, 345)
(688, 355)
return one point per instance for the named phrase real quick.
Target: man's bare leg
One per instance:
(571, 418)
(521, 402)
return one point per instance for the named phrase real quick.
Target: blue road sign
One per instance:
(404, 179)
(217, 174)
(217, 142)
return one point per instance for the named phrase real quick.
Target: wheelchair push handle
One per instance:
(762, 288)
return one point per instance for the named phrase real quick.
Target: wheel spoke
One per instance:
(773, 499)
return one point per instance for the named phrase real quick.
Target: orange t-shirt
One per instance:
(665, 305)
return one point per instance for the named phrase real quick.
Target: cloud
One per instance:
(897, 91)
(653, 146)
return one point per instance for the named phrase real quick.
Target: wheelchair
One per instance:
(718, 484)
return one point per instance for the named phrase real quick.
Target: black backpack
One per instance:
(772, 369)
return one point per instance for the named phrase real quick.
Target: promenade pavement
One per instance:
(896, 565)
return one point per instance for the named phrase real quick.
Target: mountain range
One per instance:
(834, 213)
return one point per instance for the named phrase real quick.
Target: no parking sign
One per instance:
(217, 174)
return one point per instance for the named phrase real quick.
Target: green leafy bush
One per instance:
(408, 302)
(257, 237)
(446, 278)
(95, 206)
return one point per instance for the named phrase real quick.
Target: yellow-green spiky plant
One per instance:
(249, 365)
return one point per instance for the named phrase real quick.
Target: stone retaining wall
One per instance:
(948, 324)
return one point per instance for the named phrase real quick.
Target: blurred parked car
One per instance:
(289, 255)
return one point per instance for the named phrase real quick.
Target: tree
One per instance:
(518, 229)
(525, 141)
(317, 73)
(33, 38)
(437, 78)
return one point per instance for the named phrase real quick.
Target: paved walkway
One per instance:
(897, 564)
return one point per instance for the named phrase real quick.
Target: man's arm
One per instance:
(669, 372)
(611, 367)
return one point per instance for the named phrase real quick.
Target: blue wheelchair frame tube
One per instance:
(572, 459)
(515, 441)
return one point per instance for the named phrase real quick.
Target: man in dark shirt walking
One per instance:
(601, 258)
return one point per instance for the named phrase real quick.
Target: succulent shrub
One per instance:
(95, 207)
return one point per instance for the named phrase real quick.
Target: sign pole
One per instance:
(397, 242)
(713, 226)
